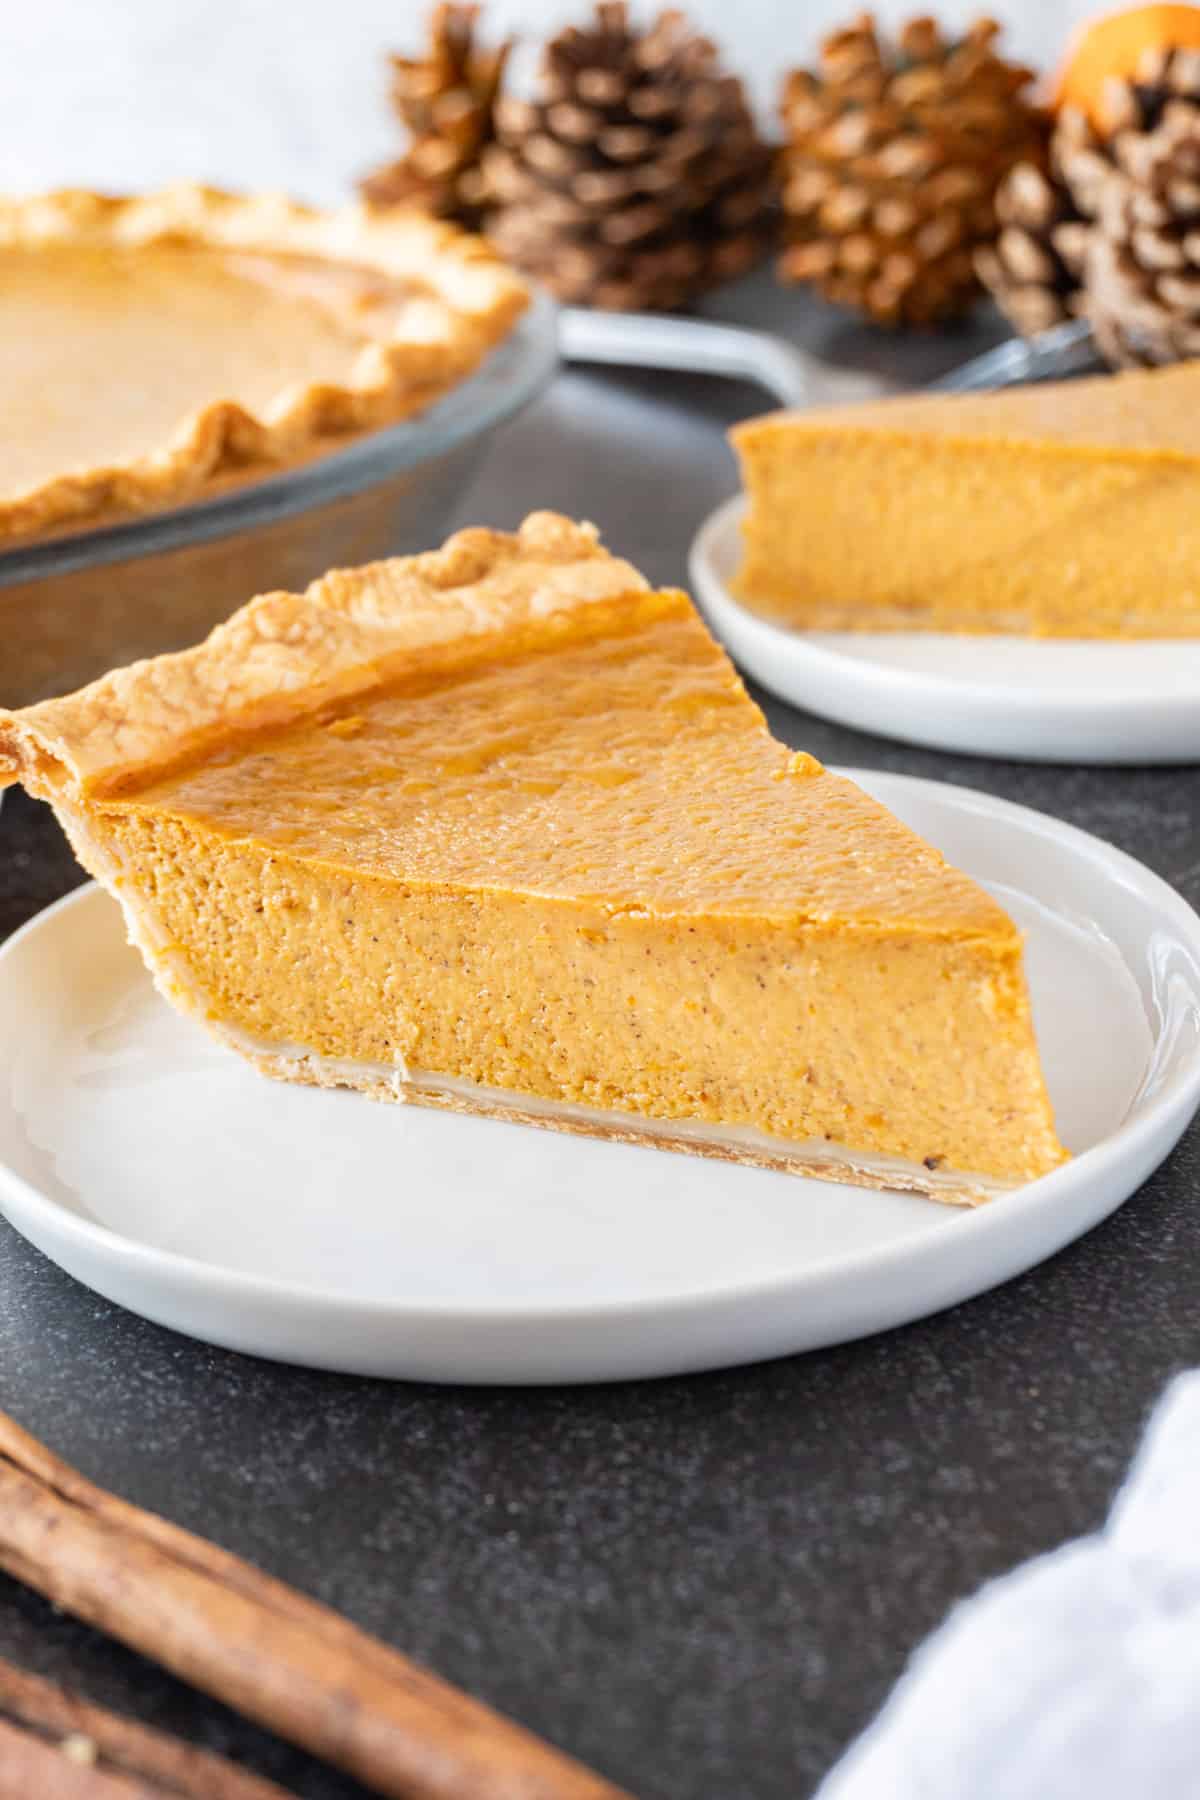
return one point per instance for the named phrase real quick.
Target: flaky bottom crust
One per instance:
(818, 1160)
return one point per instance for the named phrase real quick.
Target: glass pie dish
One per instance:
(77, 604)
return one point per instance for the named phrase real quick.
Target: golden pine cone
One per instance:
(894, 154)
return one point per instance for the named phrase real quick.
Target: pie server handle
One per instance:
(698, 346)
(1052, 355)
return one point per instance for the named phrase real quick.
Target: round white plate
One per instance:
(321, 1228)
(1034, 699)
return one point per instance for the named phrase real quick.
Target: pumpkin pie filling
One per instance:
(498, 829)
(1064, 509)
(160, 332)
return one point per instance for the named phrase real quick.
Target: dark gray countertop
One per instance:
(703, 1586)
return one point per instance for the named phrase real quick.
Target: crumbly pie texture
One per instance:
(467, 301)
(286, 656)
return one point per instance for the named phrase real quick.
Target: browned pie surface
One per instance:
(625, 765)
(106, 353)
(1148, 409)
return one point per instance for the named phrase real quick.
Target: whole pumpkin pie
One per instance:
(1064, 509)
(155, 348)
(497, 829)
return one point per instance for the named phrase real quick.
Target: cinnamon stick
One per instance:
(59, 1747)
(283, 1660)
(29, 1766)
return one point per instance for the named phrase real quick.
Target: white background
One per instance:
(291, 93)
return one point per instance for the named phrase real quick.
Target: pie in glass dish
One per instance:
(157, 349)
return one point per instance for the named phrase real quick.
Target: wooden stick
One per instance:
(58, 1747)
(288, 1662)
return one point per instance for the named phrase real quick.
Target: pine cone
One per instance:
(1034, 269)
(1141, 183)
(446, 100)
(893, 159)
(636, 177)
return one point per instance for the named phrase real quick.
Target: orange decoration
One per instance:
(1114, 46)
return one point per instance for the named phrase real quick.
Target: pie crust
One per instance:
(284, 655)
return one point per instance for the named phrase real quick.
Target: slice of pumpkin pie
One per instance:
(497, 829)
(1061, 509)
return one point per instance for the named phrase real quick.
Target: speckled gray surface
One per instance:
(703, 1586)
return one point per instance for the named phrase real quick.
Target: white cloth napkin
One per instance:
(1077, 1674)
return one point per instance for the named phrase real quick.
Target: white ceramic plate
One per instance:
(323, 1229)
(1035, 699)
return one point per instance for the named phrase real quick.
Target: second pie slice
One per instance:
(497, 829)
